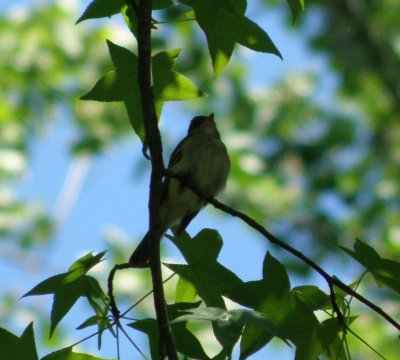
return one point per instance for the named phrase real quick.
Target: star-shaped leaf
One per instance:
(272, 297)
(68, 354)
(14, 347)
(208, 276)
(68, 287)
(186, 343)
(106, 8)
(203, 270)
(224, 24)
(385, 271)
(121, 84)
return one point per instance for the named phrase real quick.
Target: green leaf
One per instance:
(186, 343)
(93, 320)
(270, 296)
(208, 276)
(207, 314)
(101, 8)
(253, 339)
(65, 296)
(14, 347)
(315, 298)
(176, 310)
(296, 7)
(121, 84)
(169, 85)
(106, 8)
(162, 4)
(266, 293)
(185, 291)
(231, 320)
(300, 321)
(85, 263)
(224, 24)
(228, 318)
(226, 330)
(103, 323)
(68, 287)
(68, 354)
(282, 307)
(150, 328)
(248, 33)
(333, 343)
(385, 271)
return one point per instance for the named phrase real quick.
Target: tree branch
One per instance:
(153, 140)
(331, 280)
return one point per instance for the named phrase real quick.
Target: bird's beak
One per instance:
(210, 118)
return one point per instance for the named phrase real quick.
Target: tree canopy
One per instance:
(315, 161)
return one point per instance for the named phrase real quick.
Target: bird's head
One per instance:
(203, 124)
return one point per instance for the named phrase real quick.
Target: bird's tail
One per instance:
(140, 257)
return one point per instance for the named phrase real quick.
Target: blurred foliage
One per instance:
(314, 172)
(44, 70)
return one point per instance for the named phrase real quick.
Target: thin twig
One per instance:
(335, 308)
(145, 296)
(131, 341)
(117, 332)
(123, 314)
(331, 280)
(365, 343)
(110, 281)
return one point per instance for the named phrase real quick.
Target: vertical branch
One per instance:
(153, 140)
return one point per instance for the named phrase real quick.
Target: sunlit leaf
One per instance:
(68, 287)
(185, 291)
(121, 84)
(68, 354)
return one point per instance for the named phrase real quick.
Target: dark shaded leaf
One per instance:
(14, 347)
(385, 271)
(186, 343)
(291, 317)
(315, 298)
(224, 24)
(106, 8)
(296, 7)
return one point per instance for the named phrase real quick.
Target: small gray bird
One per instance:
(202, 159)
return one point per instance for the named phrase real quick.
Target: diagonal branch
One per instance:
(331, 280)
(153, 140)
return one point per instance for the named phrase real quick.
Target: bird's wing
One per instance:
(176, 154)
(183, 224)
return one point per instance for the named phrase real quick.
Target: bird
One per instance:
(202, 159)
